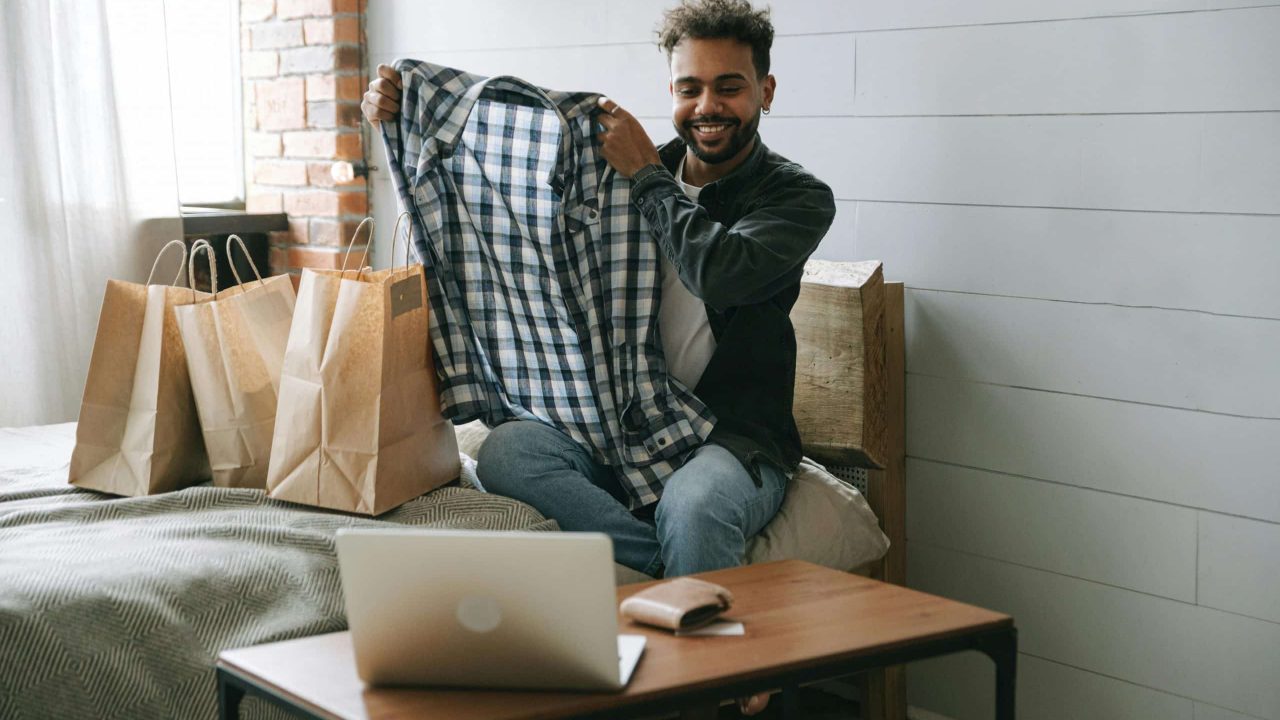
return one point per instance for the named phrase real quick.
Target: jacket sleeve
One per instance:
(751, 260)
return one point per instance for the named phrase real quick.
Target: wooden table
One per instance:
(803, 623)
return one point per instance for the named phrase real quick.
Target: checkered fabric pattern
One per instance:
(544, 278)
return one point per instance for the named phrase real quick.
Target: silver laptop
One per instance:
(485, 609)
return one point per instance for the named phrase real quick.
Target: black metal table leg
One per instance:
(230, 694)
(790, 702)
(1002, 648)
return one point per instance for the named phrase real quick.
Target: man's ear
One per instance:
(671, 88)
(767, 87)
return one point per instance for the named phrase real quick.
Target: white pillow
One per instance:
(823, 520)
(470, 437)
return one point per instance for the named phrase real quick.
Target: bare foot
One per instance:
(754, 704)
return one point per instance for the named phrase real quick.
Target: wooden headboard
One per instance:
(850, 406)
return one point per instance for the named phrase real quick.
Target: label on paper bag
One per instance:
(406, 295)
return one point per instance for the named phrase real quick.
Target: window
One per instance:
(205, 92)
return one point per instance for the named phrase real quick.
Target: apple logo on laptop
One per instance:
(479, 613)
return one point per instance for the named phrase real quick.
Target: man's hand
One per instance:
(623, 142)
(382, 100)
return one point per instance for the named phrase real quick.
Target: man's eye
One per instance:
(686, 92)
(730, 90)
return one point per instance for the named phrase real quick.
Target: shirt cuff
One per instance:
(647, 179)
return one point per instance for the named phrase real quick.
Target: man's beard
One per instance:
(741, 136)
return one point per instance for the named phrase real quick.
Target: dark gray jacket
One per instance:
(741, 249)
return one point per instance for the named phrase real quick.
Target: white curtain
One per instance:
(87, 185)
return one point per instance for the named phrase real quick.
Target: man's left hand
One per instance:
(623, 142)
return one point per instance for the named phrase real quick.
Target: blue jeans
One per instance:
(708, 510)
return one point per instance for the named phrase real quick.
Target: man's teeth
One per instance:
(709, 129)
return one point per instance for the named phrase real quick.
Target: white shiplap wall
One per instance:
(1083, 198)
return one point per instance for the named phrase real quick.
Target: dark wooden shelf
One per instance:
(218, 221)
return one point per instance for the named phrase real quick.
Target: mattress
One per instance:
(117, 607)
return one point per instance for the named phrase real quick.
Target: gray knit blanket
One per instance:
(117, 607)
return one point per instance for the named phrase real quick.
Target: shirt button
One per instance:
(662, 442)
(593, 214)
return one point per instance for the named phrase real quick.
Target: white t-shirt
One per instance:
(687, 341)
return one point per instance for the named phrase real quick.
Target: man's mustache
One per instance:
(709, 120)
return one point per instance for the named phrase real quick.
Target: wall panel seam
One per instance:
(1099, 303)
(957, 26)
(1087, 488)
(1055, 207)
(999, 23)
(1014, 563)
(870, 116)
(1216, 413)
(1162, 691)
(1099, 583)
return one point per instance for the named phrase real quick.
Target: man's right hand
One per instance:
(382, 101)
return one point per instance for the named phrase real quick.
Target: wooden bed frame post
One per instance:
(885, 691)
(850, 407)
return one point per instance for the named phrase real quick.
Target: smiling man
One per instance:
(735, 223)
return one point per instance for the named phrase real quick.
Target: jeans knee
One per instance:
(516, 452)
(694, 506)
(504, 451)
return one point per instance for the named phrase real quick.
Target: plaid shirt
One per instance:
(544, 277)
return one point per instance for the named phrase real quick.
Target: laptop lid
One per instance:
(483, 609)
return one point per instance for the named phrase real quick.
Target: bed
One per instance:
(116, 607)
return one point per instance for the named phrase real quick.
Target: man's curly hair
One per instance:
(710, 19)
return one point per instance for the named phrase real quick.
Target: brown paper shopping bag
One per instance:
(358, 426)
(234, 344)
(138, 433)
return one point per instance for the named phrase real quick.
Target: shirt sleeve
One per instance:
(752, 259)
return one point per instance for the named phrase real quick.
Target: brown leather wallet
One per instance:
(680, 604)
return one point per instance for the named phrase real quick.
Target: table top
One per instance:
(796, 615)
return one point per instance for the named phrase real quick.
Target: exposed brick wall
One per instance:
(302, 64)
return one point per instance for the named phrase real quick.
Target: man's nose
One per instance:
(708, 104)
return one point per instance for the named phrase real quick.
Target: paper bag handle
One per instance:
(359, 268)
(245, 251)
(196, 247)
(408, 238)
(181, 266)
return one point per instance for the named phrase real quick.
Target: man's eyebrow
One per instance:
(726, 76)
